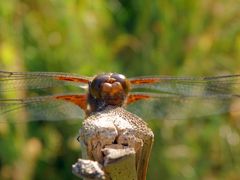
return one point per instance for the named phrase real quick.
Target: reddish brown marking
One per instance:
(144, 81)
(73, 79)
(80, 100)
(135, 97)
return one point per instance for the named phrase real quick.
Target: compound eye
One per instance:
(96, 84)
(122, 79)
(118, 77)
(107, 87)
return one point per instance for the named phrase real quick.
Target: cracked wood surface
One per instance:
(121, 136)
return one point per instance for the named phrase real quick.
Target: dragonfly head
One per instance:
(108, 89)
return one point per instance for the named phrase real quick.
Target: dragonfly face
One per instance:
(107, 89)
(148, 97)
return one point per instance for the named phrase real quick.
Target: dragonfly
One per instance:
(147, 96)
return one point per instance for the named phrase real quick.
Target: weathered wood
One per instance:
(119, 164)
(116, 138)
(88, 169)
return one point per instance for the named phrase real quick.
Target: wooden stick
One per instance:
(118, 140)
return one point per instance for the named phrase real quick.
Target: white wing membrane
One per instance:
(14, 81)
(170, 106)
(187, 86)
(42, 108)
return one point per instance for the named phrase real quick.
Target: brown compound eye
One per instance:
(116, 87)
(111, 89)
(95, 87)
(125, 84)
(107, 87)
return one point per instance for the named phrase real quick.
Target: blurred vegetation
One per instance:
(134, 38)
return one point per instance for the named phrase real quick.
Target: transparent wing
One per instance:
(188, 86)
(36, 80)
(171, 106)
(60, 107)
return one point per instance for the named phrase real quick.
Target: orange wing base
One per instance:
(80, 100)
(135, 97)
(65, 78)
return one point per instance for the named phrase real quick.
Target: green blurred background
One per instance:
(177, 37)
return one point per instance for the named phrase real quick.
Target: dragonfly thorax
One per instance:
(107, 89)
